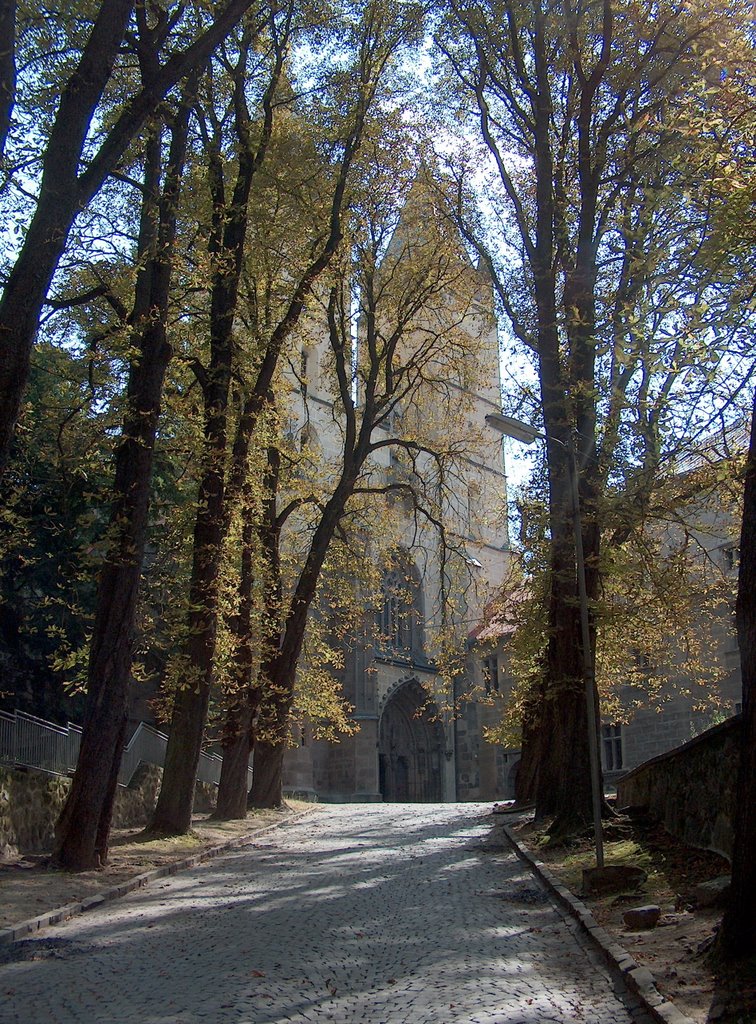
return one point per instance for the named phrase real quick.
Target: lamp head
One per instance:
(513, 428)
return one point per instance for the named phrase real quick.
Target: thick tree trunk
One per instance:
(173, 812)
(267, 775)
(563, 785)
(738, 935)
(86, 815)
(276, 689)
(564, 776)
(236, 746)
(83, 828)
(102, 840)
(564, 779)
(238, 729)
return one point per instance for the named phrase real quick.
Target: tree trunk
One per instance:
(83, 828)
(102, 839)
(738, 935)
(173, 813)
(236, 746)
(563, 785)
(87, 812)
(526, 783)
(267, 775)
(238, 730)
(564, 778)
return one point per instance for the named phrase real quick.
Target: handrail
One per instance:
(36, 743)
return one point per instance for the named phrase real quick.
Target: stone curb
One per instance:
(34, 924)
(638, 979)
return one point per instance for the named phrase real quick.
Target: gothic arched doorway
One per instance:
(410, 748)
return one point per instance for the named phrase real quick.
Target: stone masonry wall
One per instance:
(691, 789)
(30, 802)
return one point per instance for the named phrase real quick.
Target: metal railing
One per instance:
(33, 742)
(28, 740)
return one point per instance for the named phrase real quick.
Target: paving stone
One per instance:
(382, 914)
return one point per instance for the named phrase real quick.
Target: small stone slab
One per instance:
(639, 918)
(712, 893)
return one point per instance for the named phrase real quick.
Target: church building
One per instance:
(419, 737)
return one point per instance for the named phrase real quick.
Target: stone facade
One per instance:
(486, 771)
(408, 745)
(388, 686)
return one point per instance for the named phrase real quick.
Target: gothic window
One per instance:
(491, 674)
(396, 613)
(398, 617)
(611, 747)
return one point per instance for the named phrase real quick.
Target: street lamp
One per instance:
(520, 431)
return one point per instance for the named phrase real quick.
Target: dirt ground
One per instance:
(678, 952)
(29, 887)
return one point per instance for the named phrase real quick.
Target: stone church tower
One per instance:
(414, 741)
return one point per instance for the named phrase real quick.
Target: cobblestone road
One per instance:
(385, 914)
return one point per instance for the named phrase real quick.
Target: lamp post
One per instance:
(524, 432)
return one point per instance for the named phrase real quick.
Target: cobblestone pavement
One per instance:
(378, 913)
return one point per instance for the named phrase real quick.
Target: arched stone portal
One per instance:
(410, 748)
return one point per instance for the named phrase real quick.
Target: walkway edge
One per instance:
(638, 979)
(35, 924)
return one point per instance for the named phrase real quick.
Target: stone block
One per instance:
(643, 981)
(90, 902)
(639, 918)
(669, 1013)
(712, 893)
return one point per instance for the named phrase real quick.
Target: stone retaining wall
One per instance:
(30, 802)
(691, 789)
